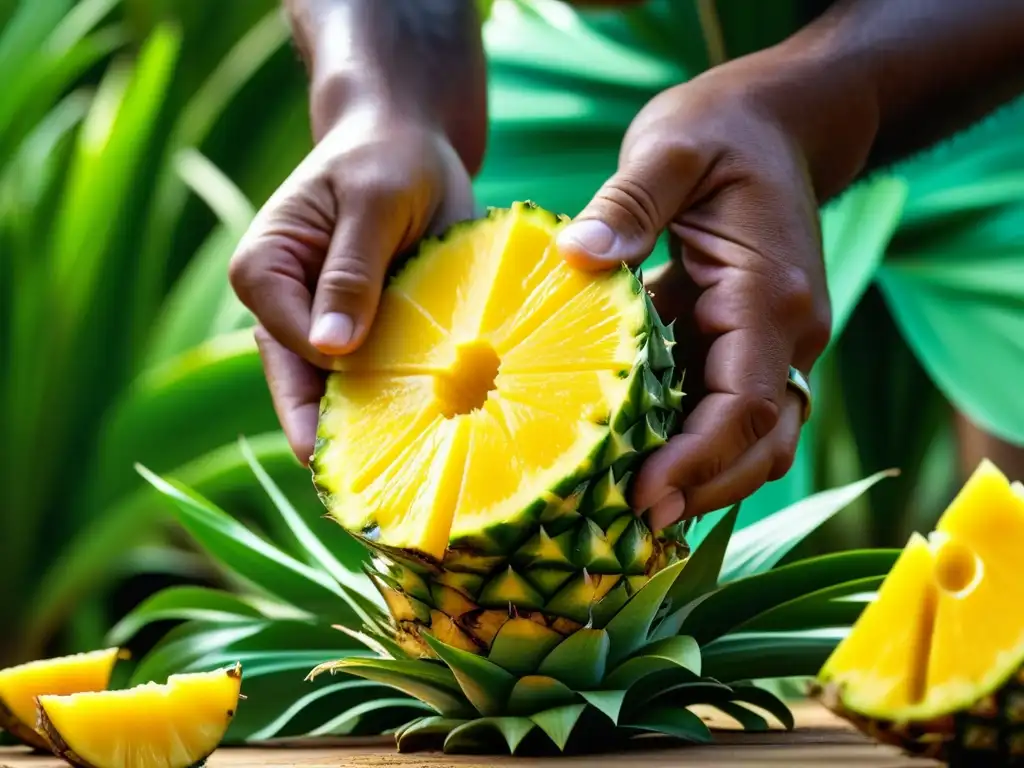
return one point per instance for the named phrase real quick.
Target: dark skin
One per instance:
(734, 164)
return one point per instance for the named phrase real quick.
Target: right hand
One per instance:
(312, 265)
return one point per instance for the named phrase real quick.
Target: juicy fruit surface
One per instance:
(492, 373)
(944, 631)
(20, 685)
(174, 725)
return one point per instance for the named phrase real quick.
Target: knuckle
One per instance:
(758, 416)
(352, 277)
(635, 204)
(245, 271)
(795, 295)
(819, 330)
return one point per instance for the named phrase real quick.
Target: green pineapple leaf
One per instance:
(250, 557)
(838, 606)
(646, 688)
(700, 575)
(753, 655)
(486, 685)
(425, 733)
(521, 645)
(766, 700)
(703, 691)
(479, 735)
(758, 547)
(751, 721)
(186, 604)
(430, 683)
(558, 723)
(534, 693)
(580, 660)
(307, 702)
(681, 649)
(744, 599)
(609, 703)
(353, 584)
(629, 629)
(644, 665)
(350, 722)
(673, 721)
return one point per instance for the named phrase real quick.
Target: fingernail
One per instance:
(667, 511)
(593, 236)
(332, 332)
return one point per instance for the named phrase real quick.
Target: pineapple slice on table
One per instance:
(21, 684)
(934, 664)
(175, 725)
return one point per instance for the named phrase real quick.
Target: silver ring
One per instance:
(798, 382)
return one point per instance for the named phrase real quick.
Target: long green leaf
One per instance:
(769, 654)
(741, 601)
(355, 584)
(185, 604)
(249, 557)
(760, 546)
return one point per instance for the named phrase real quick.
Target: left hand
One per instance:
(746, 283)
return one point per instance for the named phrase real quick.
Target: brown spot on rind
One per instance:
(236, 671)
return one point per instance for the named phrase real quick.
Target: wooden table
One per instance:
(820, 740)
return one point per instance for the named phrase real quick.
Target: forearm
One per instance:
(871, 81)
(417, 60)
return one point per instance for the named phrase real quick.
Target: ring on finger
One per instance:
(799, 384)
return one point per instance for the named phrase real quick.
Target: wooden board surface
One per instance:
(819, 740)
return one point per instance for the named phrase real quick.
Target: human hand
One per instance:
(746, 283)
(313, 263)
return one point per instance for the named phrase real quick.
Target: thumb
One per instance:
(624, 219)
(352, 278)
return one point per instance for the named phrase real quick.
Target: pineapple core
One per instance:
(466, 386)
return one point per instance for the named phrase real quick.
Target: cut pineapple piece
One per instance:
(494, 486)
(943, 637)
(20, 685)
(507, 347)
(175, 725)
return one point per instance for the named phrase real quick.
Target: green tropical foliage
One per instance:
(120, 339)
(740, 608)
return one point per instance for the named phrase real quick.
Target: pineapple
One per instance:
(176, 725)
(20, 685)
(934, 665)
(502, 403)
(692, 637)
(481, 444)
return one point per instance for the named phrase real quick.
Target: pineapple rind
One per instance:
(58, 744)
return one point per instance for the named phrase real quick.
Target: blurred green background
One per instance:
(137, 137)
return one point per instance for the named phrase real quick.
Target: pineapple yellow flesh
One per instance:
(492, 374)
(943, 632)
(20, 685)
(174, 725)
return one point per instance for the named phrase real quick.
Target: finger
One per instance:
(624, 219)
(752, 470)
(769, 459)
(350, 283)
(296, 387)
(270, 278)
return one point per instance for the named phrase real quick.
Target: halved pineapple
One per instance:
(175, 725)
(20, 685)
(483, 438)
(934, 663)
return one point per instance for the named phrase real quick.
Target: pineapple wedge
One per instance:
(175, 725)
(20, 685)
(934, 664)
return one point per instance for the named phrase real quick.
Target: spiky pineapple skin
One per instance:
(576, 554)
(989, 733)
